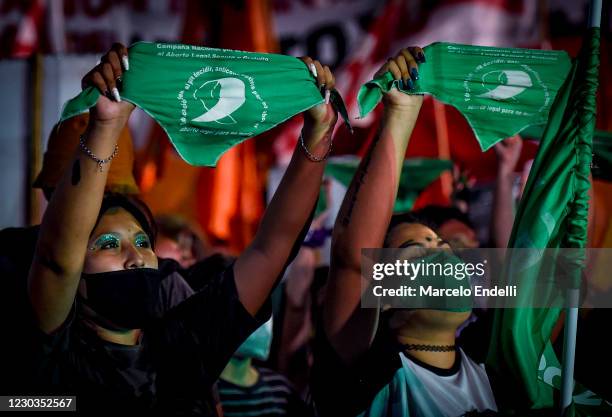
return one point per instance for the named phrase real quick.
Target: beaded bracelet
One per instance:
(90, 154)
(311, 156)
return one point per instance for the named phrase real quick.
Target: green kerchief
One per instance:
(500, 91)
(208, 100)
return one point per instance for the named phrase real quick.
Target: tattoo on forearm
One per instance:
(76, 173)
(360, 179)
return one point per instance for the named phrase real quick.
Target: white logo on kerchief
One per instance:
(510, 83)
(230, 95)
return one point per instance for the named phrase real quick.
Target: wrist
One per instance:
(315, 146)
(316, 127)
(101, 138)
(96, 158)
(403, 103)
(317, 131)
(320, 118)
(505, 174)
(115, 122)
(401, 110)
(106, 127)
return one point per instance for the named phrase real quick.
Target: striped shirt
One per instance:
(272, 395)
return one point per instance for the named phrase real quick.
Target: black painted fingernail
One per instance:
(410, 84)
(414, 73)
(423, 59)
(402, 84)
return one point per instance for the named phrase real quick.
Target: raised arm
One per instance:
(258, 267)
(73, 209)
(508, 153)
(365, 214)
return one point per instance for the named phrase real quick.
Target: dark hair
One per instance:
(173, 226)
(405, 218)
(135, 207)
(438, 215)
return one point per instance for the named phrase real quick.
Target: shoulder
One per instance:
(202, 272)
(47, 352)
(380, 361)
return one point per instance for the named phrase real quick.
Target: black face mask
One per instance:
(127, 298)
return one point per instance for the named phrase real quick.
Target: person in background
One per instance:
(504, 204)
(248, 390)
(455, 226)
(300, 306)
(179, 240)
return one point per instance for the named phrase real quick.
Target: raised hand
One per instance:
(106, 77)
(403, 67)
(322, 116)
(508, 153)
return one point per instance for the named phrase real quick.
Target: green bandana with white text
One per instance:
(208, 100)
(500, 91)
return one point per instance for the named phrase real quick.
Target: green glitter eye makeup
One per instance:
(113, 241)
(106, 241)
(142, 241)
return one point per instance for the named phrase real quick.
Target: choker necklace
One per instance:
(430, 348)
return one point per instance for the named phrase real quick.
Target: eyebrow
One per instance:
(101, 235)
(120, 235)
(408, 243)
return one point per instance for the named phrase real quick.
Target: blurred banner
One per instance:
(85, 26)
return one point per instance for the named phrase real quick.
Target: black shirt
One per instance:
(171, 370)
(339, 389)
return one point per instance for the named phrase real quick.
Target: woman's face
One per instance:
(407, 235)
(117, 243)
(180, 249)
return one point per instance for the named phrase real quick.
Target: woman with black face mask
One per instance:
(103, 328)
